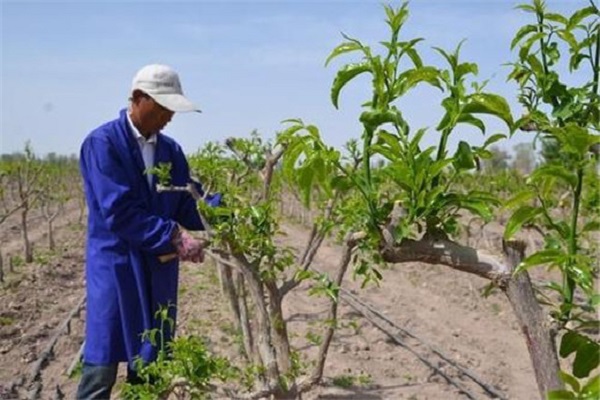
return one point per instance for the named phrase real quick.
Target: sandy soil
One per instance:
(443, 307)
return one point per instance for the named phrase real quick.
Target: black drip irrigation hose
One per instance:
(357, 304)
(34, 380)
(489, 389)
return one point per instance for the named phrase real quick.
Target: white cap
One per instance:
(162, 83)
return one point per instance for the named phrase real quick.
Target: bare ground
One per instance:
(442, 306)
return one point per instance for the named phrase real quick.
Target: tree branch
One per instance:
(314, 242)
(267, 172)
(446, 252)
(350, 244)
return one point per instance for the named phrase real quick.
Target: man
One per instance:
(130, 225)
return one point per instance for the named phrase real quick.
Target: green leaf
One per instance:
(568, 37)
(521, 33)
(478, 208)
(374, 118)
(412, 77)
(591, 226)
(445, 121)
(345, 47)
(401, 176)
(450, 58)
(341, 183)
(486, 197)
(415, 57)
(577, 138)
(483, 154)
(556, 18)
(305, 179)
(466, 68)
(554, 171)
(561, 395)
(576, 60)
(488, 103)
(302, 275)
(591, 390)
(392, 141)
(314, 131)
(580, 15)
(493, 139)
(541, 257)
(524, 51)
(344, 75)
(408, 49)
(526, 8)
(521, 216)
(470, 119)
(385, 151)
(570, 342)
(570, 380)
(438, 166)
(586, 359)
(463, 158)
(535, 64)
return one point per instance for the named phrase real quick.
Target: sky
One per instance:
(66, 67)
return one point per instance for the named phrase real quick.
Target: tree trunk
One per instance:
(228, 289)
(279, 329)
(81, 201)
(266, 351)
(28, 248)
(51, 243)
(1, 268)
(535, 325)
(281, 341)
(332, 316)
(244, 320)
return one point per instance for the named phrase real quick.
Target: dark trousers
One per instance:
(97, 381)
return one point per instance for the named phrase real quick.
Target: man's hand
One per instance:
(189, 248)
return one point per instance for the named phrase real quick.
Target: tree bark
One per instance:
(245, 326)
(449, 253)
(228, 289)
(51, 242)
(266, 351)
(536, 327)
(28, 249)
(281, 342)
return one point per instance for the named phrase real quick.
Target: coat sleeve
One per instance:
(123, 211)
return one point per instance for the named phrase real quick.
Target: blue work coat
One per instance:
(129, 226)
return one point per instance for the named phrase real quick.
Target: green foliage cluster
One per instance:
(427, 184)
(567, 117)
(182, 363)
(424, 177)
(246, 220)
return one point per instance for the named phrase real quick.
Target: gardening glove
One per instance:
(188, 248)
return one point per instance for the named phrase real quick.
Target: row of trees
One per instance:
(30, 184)
(409, 207)
(523, 159)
